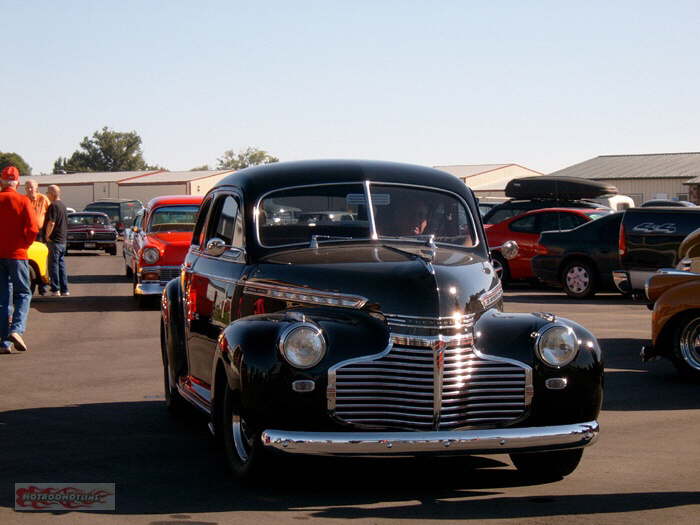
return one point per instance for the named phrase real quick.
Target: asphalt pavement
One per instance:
(85, 404)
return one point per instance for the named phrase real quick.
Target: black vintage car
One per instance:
(380, 334)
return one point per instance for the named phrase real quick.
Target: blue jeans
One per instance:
(57, 267)
(15, 290)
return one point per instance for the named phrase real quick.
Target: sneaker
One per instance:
(56, 294)
(5, 350)
(20, 345)
(65, 294)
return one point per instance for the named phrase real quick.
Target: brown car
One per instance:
(675, 321)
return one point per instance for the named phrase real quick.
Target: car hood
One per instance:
(393, 282)
(173, 246)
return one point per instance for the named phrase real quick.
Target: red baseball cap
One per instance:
(10, 173)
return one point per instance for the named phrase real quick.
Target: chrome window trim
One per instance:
(373, 228)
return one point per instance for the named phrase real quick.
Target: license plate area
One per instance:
(90, 245)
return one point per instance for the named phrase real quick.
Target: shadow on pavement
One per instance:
(631, 384)
(82, 303)
(98, 279)
(163, 465)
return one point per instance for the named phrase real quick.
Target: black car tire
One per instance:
(173, 399)
(112, 250)
(500, 265)
(127, 269)
(686, 345)
(245, 454)
(578, 279)
(547, 465)
(32, 279)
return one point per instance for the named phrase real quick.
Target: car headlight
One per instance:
(302, 345)
(556, 345)
(151, 255)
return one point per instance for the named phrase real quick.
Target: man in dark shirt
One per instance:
(56, 234)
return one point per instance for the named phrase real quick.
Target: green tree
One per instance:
(16, 160)
(203, 167)
(249, 157)
(106, 150)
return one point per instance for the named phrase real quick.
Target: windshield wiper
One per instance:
(427, 255)
(407, 252)
(316, 238)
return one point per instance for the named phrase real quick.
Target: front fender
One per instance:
(248, 351)
(172, 314)
(668, 305)
(512, 335)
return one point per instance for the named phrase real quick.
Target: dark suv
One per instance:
(121, 212)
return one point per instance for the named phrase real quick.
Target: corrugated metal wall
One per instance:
(646, 189)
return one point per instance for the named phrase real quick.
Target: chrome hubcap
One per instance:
(690, 343)
(577, 279)
(240, 439)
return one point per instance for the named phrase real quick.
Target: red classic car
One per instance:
(525, 229)
(160, 243)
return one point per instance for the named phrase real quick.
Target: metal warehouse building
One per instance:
(488, 180)
(170, 183)
(79, 189)
(642, 177)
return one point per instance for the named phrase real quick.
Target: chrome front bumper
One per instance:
(150, 288)
(487, 441)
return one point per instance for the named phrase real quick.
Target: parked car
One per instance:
(91, 231)
(525, 229)
(580, 261)
(377, 336)
(675, 320)
(37, 255)
(128, 243)
(689, 253)
(159, 245)
(620, 251)
(486, 203)
(120, 211)
(649, 239)
(657, 203)
(534, 193)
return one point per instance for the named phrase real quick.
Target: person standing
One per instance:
(18, 231)
(56, 234)
(40, 202)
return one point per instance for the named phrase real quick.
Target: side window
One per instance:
(569, 221)
(137, 221)
(524, 225)
(201, 218)
(226, 223)
(547, 222)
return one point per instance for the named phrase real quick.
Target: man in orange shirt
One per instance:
(19, 229)
(40, 202)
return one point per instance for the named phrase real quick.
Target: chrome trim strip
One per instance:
(304, 295)
(529, 387)
(483, 441)
(193, 398)
(432, 341)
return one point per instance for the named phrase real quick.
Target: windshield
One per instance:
(112, 210)
(340, 212)
(87, 220)
(173, 219)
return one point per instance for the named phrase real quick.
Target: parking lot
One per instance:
(85, 405)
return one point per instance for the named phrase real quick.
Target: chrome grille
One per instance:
(105, 236)
(430, 381)
(169, 273)
(77, 236)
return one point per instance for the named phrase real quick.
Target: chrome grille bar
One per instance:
(429, 377)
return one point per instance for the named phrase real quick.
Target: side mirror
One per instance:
(509, 249)
(215, 247)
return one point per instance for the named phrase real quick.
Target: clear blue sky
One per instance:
(543, 84)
